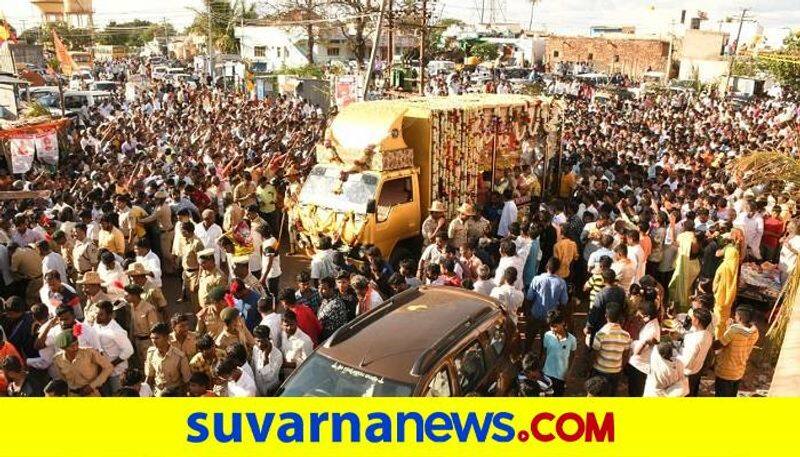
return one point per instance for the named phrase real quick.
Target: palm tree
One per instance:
(530, 22)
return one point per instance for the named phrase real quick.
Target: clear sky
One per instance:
(561, 16)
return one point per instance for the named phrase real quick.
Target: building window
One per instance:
(278, 50)
(333, 51)
(555, 54)
(591, 56)
(260, 51)
(616, 58)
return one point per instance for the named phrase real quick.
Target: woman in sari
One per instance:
(726, 281)
(687, 265)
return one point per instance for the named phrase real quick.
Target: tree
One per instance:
(74, 38)
(784, 66)
(358, 29)
(225, 16)
(134, 33)
(485, 51)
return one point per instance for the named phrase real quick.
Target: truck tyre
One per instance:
(405, 250)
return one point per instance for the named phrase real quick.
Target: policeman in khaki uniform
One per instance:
(139, 275)
(163, 217)
(458, 231)
(93, 293)
(165, 367)
(188, 248)
(85, 255)
(241, 270)
(144, 317)
(434, 223)
(209, 277)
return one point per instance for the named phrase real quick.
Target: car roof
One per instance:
(403, 337)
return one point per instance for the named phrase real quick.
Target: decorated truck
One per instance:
(382, 163)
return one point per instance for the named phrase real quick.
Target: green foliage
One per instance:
(485, 51)
(74, 38)
(306, 71)
(225, 16)
(786, 66)
(134, 33)
(745, 67)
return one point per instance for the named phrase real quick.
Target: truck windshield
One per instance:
(320, 376)
(324, 187)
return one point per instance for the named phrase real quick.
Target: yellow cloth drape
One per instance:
(321, 221)
(726, 281)
(686, 271)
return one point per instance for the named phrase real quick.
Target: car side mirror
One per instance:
(372, 206)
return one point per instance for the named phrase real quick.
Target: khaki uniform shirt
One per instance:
(188, 346)
(144, 318)
(90, 308)
(227, 339)
(89, 368)
(168, 370)
(243, 189)
(478, 228)
(429, 229)
(208, 321)
(207, 281)
(458, 231)
(162, 216)
(199, 364)
(26, 263)
(187, 250)
(154, 296)
(85, 256)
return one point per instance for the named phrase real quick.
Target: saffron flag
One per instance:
(64, 59)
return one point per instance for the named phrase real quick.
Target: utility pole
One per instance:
(669, 53)
(733, 53)
(209, 44)
(390, 36)
(423, 35)
(375, 47)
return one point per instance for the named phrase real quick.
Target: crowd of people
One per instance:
(644, 230)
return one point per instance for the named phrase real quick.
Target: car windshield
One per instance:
(324, 187)
(320, 376)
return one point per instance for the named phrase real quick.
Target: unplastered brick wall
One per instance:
(629, 56)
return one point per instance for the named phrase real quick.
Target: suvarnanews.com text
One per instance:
(400, 427)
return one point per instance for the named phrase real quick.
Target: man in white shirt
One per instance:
(52, 261)
(295, 344)
(636, 254)
(753, 225)
(509, 214)
(322, 265)
(208, 232)
(270, 319)
(509, 258)
(238, 382)
(266, 361)
(45, 343)
(114, 343)
(507, 294)
(150, 260)
(696, 344)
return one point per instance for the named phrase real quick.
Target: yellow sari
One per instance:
(726, 282)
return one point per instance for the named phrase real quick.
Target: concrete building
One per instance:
(703, 56)
(628, 55)
(273, 48)
(106, 52)
(27, 54)
(185, 47)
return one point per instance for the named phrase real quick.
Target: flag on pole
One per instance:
(7, 33)
(64, 59)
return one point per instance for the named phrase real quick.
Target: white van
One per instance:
(440, 66)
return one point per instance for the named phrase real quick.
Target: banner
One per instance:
(47, 147)
(22, 149)
(374, 427)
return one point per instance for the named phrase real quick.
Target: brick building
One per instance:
(628, 55)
